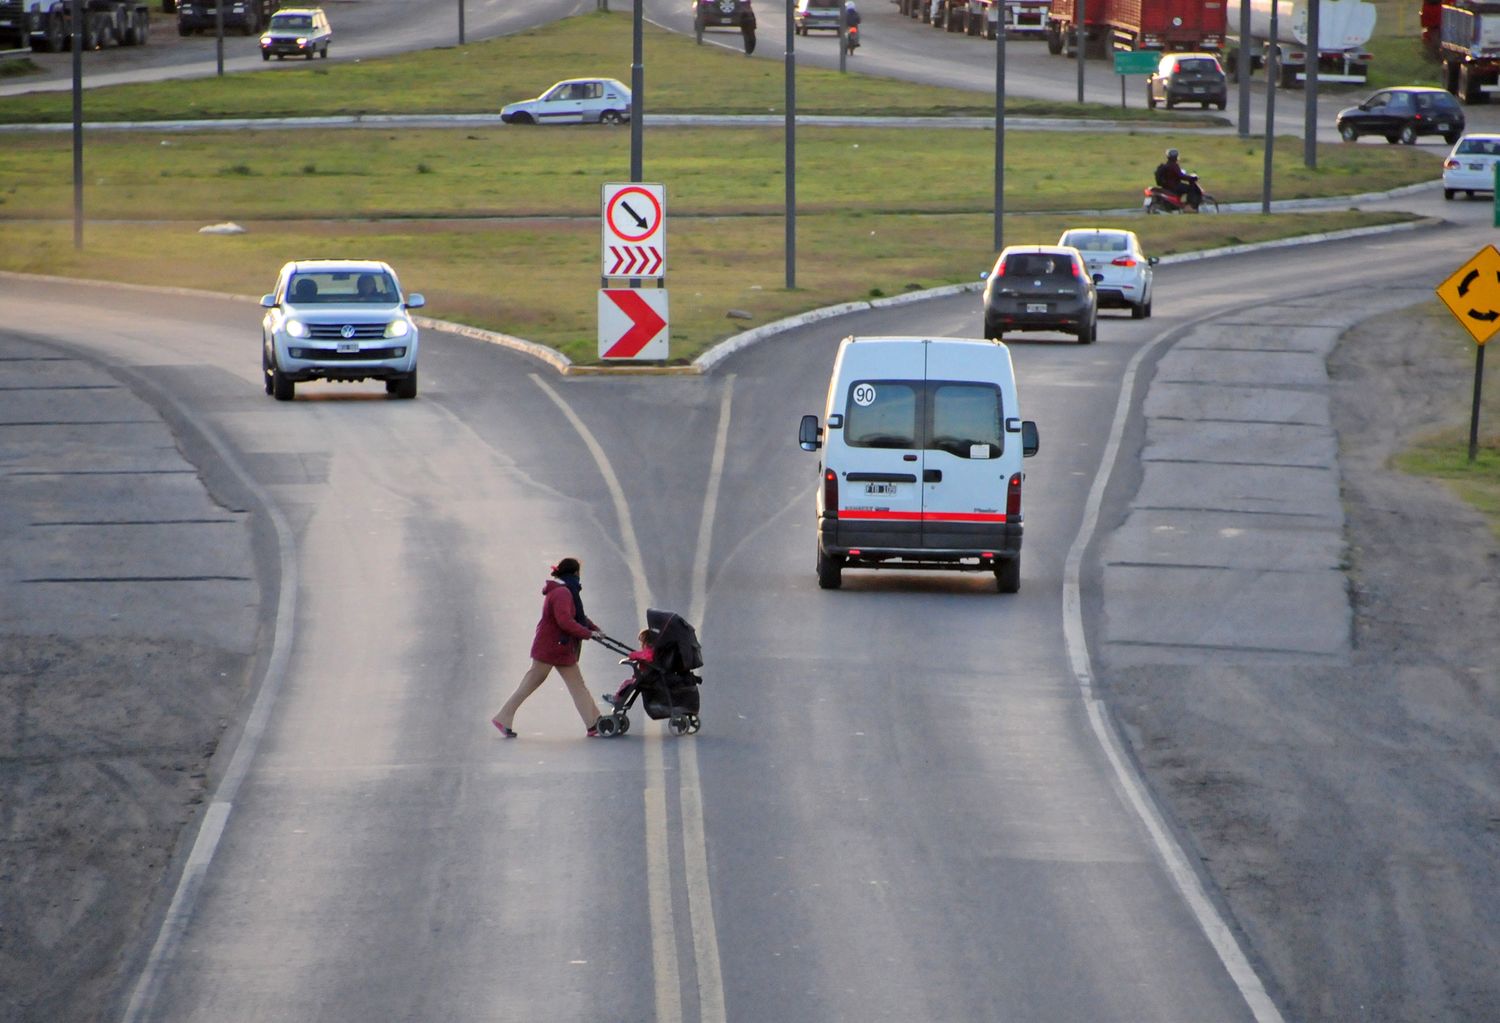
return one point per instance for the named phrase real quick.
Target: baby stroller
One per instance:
(665, 685)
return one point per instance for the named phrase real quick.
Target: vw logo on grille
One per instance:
(347, 331)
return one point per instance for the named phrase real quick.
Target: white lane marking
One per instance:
(690, 790)
(1174, 858)
(216, 817)
(666, 975)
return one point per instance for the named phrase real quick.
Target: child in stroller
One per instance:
(661, 677)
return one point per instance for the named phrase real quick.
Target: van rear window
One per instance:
(962, 418)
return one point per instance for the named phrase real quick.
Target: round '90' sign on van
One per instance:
(922, 442)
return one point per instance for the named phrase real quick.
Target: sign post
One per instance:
(633, 245)
(1134, 62)
(1472, 295)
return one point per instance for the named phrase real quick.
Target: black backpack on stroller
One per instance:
(666, 685)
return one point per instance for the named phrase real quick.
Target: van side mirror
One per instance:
(809, 436)
(1030, 440)
(268, 301)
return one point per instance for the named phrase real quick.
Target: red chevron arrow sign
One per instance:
(632, 323)
(634, 261)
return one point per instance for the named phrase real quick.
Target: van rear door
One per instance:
(965, 465)
(879, 488)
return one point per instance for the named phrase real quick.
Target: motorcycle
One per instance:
(1161, 200)
(853, 39)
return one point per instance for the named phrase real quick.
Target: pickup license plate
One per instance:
(348, 347)
(1036, 307)
(884, 489)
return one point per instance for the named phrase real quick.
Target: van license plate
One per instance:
(1036, 307)
(349, 347)
(880, 488)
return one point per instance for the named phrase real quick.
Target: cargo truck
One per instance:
(1469, 47)
(980, 17)
(47, 25)
(1344, 27)
(1169, 25)
(1063, 29)
(247, 17)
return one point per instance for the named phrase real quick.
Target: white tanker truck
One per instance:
(1344, 27)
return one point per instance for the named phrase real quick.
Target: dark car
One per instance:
(719, 13)
(1401, 115)
(1041, 287)
(1187, 78)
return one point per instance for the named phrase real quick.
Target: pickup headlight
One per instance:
(301, 42)
(296, 328)
(397, 328)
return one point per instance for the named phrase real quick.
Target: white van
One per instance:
(921, 469)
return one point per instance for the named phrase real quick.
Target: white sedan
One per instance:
(574, 101)
(1470, 166)
(1121, 271)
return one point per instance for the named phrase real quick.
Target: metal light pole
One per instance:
(77, 124)
(219, 34)
(1310, 110)
(1273, 69)
(1000, 133)
(1082, 37)
(460, 22)
(843, 38)
(791, 149)
(1242, 68)
(637, 91)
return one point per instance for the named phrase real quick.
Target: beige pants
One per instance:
(534, 677)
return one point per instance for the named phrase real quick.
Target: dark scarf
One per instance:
(574, 585)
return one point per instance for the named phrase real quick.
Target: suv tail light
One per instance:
(1013, 498)
(830, 493)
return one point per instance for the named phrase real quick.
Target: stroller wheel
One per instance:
(678, 725)
(622, 724)
(694, 723)
(607, 726)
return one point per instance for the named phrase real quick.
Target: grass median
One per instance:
(480, 78)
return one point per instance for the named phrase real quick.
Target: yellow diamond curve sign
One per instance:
(1472, 294)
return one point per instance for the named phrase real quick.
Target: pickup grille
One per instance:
(335, 331)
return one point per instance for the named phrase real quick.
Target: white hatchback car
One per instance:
(338, 320)
(1470, 166)
(574, 101)
(1121, 271)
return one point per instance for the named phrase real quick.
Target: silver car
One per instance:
(1121, 271)
(338, 320)
(573, 101)
(1470, 167)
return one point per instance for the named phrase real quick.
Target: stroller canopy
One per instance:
(676, 647)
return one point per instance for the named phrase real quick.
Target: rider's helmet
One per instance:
(1171, 154)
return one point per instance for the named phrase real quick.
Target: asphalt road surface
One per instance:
(898, 807)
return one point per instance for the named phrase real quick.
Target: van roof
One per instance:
(927, 340)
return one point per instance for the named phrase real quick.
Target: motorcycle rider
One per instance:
(851, 25)
(1172, 178)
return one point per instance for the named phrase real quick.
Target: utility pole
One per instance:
(637, 92)
(1081, 35)
(791, 148)
(78, 34)
(1273, 70)
(1000, 133)
(1310, 110)
(1242, 68)
(460, 22)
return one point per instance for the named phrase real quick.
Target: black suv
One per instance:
(1187, 78)
(713, 13)
(1403, 114)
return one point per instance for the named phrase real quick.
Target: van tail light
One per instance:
(1013, 498)
(830, 493)
(1122, 261)
(1450, 164)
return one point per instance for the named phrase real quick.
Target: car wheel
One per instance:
(830, 572)
(265, 56)
(610, 117)
(325, 53)
(265, 367)
(1347, 133)
(1008, 575)
(404, 388)
(1469, 193)
(1090, 333)
(1148, 308)
(1408, 136)
(1150, 99)
(1138, 312)
(1169, 102)
(282, 389)
(1448, 193)
(1223, 103)
(523, 118)
(1452, 137)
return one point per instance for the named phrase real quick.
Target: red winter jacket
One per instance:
(558, 634)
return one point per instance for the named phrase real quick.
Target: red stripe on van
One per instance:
(900, 516)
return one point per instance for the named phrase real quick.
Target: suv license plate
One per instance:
(1443, 126)
(348, 347)
(1036, 307)
(881, 488)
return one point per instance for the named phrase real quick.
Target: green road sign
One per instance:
(1136, 62)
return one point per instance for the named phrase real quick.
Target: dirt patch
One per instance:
(1351, 814)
